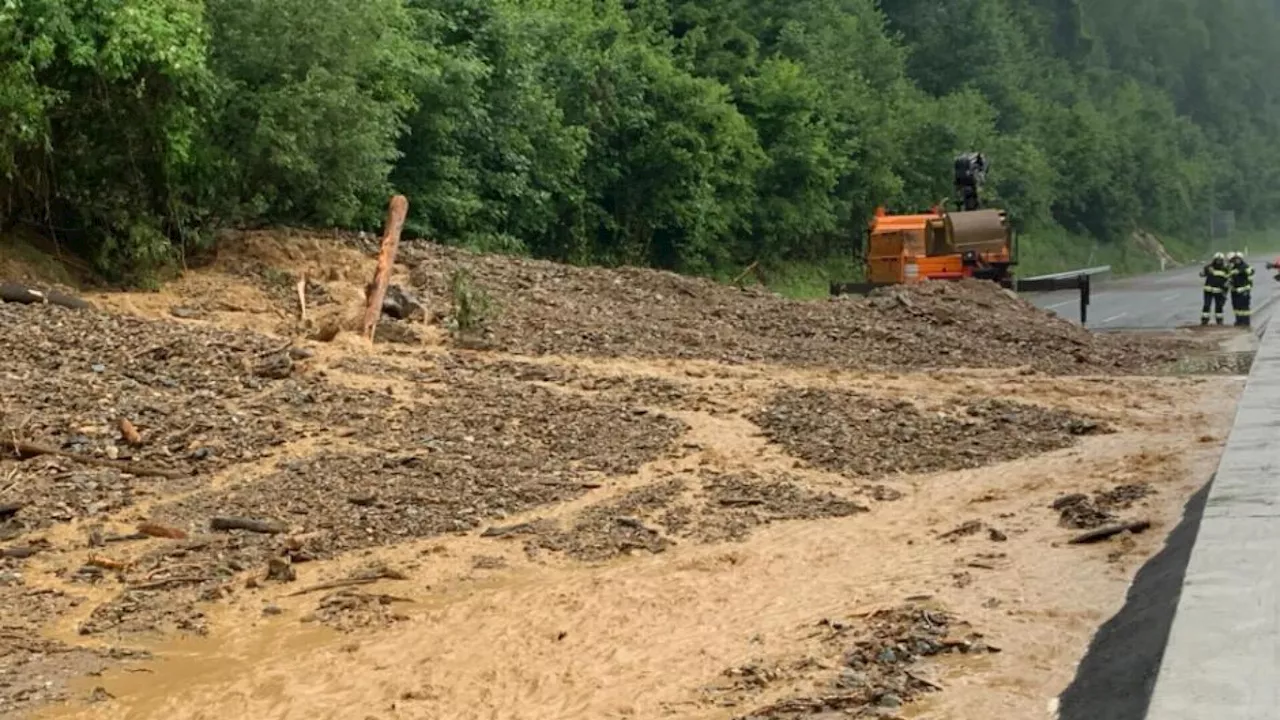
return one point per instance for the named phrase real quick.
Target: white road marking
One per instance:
(1171, 298)
(1055, 306)
(1113, 317)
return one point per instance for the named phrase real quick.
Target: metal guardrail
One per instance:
(1092, 272)
(1081, 279)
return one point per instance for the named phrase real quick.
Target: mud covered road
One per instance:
(633, 495)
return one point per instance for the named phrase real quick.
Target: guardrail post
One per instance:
(1084, 300)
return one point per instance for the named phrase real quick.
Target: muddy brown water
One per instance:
(641, 637)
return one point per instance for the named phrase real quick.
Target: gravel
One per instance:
(542, 308)
(863, 436)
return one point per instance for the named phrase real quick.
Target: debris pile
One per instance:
(878, 672)
(1078, 511)
(863, 436)
(543, 308)
(615, 528)
(349, 609)
(721, 507)
(105, 399)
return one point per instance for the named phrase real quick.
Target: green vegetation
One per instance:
(471, 305)
(694, 135)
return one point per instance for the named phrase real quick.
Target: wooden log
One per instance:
(23, 450)
(1103, 533)
(19, 552)
(302, 297)
(14, 293)
(396, 213)
(151, 529)
(128, 432)
(266, 527)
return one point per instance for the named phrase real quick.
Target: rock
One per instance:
(402, 304)
(272, 610)
(274, 367)
(889, 700)
(184, 313)
(281, 570)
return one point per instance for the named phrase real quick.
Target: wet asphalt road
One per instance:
(1160, 300)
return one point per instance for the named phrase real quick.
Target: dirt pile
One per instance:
(1082, 512)
(863, 436)
(877, 672)
(544, 308)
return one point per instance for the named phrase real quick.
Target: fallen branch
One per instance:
(106, 563)
(24, 450)
(266, 527)
(125, 538)
(396, 212)
(302, 297)
(8, 510)
(924, 681)
(746, 272)
(19, 552)
(161, 531)
(1109, 531)
(350, 582)
(14, 293)
(741, 502)
(167, 581)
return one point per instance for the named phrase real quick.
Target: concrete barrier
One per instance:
(1222, 660)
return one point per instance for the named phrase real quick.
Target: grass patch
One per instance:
(797, 280)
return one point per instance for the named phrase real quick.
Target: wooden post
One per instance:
(396, 213)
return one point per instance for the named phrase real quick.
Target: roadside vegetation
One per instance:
(699, 136)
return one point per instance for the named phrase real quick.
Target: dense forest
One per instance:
(697, 135)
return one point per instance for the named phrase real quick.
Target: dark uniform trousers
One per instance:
(1242, 294)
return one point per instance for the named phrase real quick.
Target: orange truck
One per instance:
(939, 245)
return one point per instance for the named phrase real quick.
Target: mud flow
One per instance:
(612, 494)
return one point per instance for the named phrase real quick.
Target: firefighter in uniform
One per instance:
(1216, 275)
(1241, 282)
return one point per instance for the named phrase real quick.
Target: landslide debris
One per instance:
(863, 436)
(708, 507)
(878, 669)
(1079, 511)
(543, 308)
(194, 395)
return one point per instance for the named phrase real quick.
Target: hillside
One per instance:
(629, 492)
(692, 135)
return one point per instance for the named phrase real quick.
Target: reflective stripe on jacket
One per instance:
(1241, 279)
